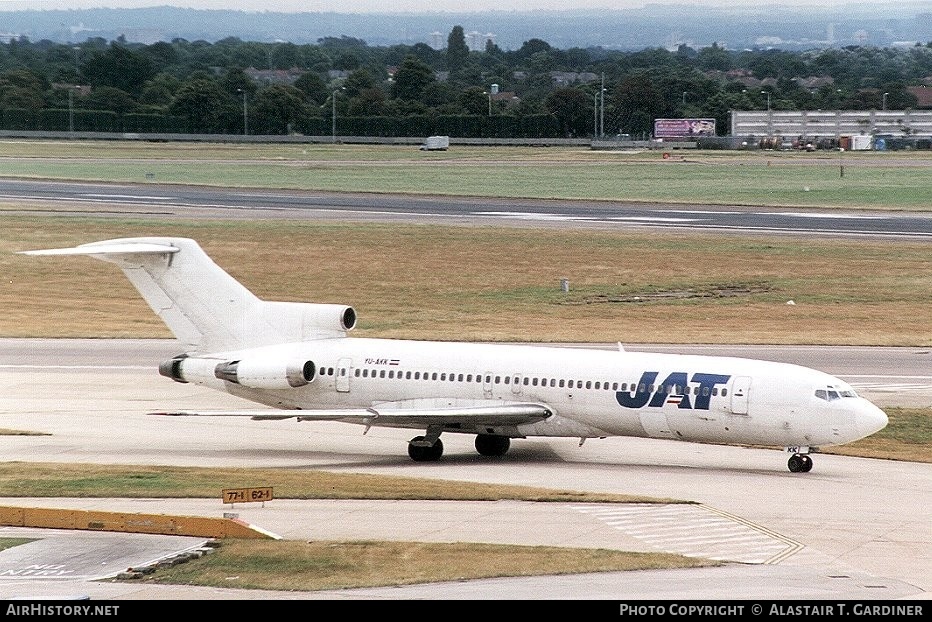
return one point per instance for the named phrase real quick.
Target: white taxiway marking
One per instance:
(571, 217)
(648, 219)
(890, 388)
(534, 216)
(826, 215)
(696, 531)
(138, 197)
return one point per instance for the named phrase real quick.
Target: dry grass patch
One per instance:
(9, 543)
(468, 283)
(9, 432)
(308, 566)
(36, 479)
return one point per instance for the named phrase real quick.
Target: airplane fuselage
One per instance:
(590, 392)
(297, 358)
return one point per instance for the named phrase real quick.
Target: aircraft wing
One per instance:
(492, 414)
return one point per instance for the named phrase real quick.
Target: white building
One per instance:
(830, 123)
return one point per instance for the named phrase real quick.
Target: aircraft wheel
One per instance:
(492, 444)
(807, 463)
(797, 463)
(424, 454)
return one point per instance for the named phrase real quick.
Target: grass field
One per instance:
(292, 565)
(489, 284)
(855, 180)
(167, 482)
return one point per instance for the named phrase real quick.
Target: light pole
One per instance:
(684, 98)
(602, 108)
(245, 112)
(71, 109)
(767, 93)
(595, 116)
(334, 112)
(490, 104)
(885, 100)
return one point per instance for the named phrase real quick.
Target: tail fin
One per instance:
(203, 306)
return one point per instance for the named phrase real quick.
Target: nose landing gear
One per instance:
(799, 463)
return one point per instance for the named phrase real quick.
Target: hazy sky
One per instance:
(421, 6)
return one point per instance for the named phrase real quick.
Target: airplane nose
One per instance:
(870, 419)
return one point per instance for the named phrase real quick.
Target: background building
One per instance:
(808, 124)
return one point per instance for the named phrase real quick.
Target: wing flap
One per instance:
(267, 415)
(495, 414)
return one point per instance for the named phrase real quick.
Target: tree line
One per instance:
(343, 85)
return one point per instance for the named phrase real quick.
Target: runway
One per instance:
(851, 529)
(166, 201)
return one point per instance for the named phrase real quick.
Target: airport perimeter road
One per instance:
(851, 529)
(156, 200)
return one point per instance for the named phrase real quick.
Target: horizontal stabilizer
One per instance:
(129, 248)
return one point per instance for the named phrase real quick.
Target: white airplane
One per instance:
(297, 358)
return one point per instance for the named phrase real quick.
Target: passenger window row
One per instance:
(561, 383)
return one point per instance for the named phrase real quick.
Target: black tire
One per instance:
(420, 453)
(796, 464)
(807, 464)
(436, 450)
(492, 444)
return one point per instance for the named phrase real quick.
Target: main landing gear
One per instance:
(429, 448)
(492, 445)
(421, 450)
(799, 463)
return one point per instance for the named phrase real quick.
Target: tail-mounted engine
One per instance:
(267, 374)
(301, 321)
(259, 373)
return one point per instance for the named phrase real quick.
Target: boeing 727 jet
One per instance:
(298, 359)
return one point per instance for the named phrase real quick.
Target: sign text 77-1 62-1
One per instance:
(247, 495)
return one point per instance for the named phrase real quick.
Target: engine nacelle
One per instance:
(173, 368)
(301, 321)
(267, 374)
(257, 373)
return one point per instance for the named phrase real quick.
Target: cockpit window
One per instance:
(830, 393)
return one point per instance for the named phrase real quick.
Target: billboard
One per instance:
(683, 128)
